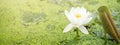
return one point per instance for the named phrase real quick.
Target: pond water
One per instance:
(41, 22)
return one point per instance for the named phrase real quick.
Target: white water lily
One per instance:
(78, 17)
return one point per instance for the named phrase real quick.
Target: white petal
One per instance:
(72, 10)
(78, 8)
(87, 20)
(83, 11)
(68, 16)
(88, 13)
(83, 29)
(68, 28)
(81, 21)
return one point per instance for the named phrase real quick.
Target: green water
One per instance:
(41, 22)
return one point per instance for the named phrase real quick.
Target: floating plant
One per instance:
(41, 22)
(78, 17)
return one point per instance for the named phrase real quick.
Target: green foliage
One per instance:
(41, 22)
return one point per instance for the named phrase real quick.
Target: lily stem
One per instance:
(77, 32)
(105, 37)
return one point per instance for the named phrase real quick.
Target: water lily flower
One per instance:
(78, 17)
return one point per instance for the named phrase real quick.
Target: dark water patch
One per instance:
(118, 1)
(114, 12)
(60, 12)
(32, 18)
(100, 34)
(50, 27)
(58, 2)
(69, 42)
(93, 2)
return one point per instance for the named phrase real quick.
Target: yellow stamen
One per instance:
(78, 16)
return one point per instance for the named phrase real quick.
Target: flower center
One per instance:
(78, 15)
